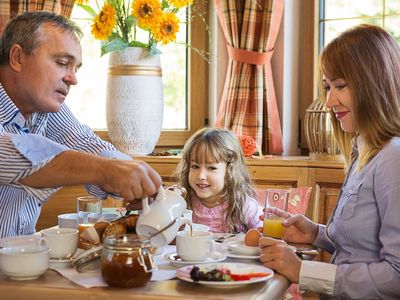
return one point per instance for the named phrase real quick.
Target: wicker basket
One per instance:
(319, 131)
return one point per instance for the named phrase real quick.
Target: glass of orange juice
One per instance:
(272, 226)
(89, 209)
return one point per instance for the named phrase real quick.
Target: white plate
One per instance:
(60, 263)
(239, 248)
(238, 256)
(236, 268)
(174, 259)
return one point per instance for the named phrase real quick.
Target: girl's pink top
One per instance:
(215, 217)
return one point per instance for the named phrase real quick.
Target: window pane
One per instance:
(87, 99)
(392, 25)
(334, 28)
(392, 7)
(335, 9)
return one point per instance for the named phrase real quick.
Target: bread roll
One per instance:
(115, 228)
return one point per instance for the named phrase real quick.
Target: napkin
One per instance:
(94, 279)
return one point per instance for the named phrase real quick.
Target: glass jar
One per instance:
(127, 261)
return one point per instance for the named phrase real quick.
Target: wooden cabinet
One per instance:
(324, 176)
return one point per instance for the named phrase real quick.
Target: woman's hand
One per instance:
(279, 256)
(299, 229)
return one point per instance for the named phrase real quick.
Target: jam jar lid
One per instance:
(126, 243)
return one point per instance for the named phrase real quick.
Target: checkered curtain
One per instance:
(248, 105)
(11, 8)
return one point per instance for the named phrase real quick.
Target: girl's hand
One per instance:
(279, 256)
(299, 229)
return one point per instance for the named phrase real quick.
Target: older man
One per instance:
(42, 145)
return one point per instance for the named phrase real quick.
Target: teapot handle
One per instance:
(145, 205)
(161, 193)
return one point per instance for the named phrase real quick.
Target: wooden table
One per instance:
(51, 286)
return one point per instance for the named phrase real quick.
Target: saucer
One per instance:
(242, 256)
(55, 263)
(239, 248)
(174, 259)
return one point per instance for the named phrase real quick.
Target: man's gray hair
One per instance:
(25, 30)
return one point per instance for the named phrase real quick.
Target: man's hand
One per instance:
(131, 180)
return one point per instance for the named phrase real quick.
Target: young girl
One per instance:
(218, 183)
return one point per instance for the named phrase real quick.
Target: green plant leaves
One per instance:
(115, 44)
(88, 9)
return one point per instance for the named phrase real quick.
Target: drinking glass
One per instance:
(89, 209)
(272, 226)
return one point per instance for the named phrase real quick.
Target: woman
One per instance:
(361, 80)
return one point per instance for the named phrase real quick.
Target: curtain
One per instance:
(11, 8)
(248, 105)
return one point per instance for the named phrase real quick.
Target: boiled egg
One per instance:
(252, 236)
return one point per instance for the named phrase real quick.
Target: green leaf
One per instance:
(138, 44)
(113, 45)
(88, 9)
(164, 4)
(130, 20)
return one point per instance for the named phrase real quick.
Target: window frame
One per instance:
(197, 94)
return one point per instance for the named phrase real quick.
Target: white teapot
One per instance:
(160, 221)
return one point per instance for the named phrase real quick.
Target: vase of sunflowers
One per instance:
(134, 97)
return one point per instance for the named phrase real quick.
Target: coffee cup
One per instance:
(62, 242)
(196, 246)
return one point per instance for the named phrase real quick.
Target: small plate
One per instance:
(236, 268)
(239, 248)
(241, 256)
(60, 263)
(174, 259)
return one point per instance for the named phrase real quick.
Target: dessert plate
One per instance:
(239, 248)
(235, 268)
(174, 259)
(242, 256)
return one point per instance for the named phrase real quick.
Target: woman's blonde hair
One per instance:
(210, 145)
(368, 59)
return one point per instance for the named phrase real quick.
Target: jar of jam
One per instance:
(127, 261)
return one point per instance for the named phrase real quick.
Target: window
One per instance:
(323, 20)
(338, 15)
(184, 77)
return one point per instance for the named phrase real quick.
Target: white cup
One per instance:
(62, 242)
(196, 247)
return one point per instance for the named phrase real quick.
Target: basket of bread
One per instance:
(95, 235)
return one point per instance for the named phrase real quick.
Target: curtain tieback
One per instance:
(249, 57)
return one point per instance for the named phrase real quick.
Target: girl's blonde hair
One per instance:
(210, 145)
(368, 59)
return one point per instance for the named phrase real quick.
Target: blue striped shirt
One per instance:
(28, 145)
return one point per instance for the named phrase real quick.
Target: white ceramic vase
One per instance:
(134, 100)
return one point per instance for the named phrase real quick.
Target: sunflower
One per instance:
(180, 3)
(166, 27)
(104, 22)
(146, 12)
